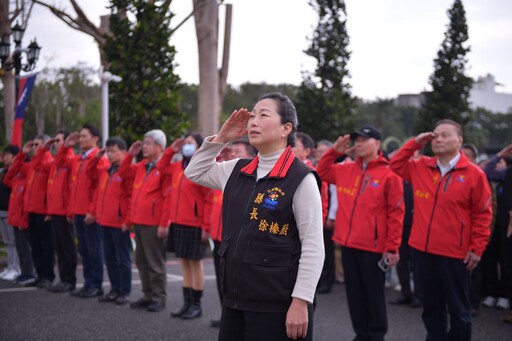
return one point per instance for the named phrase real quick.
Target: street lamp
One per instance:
(106, 77)
(32, 52)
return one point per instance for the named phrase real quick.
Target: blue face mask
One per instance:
(188, 150)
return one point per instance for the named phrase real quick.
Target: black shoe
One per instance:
(401, 300)
(194, 311)
(215, 323)
(187, 300)
(78, 292)
(323, 289)
(44, 283)
(62, 287)
(110, 297)
(122, 299)
(415, 303)
(156, 306)
(142, 303)
(90, 293)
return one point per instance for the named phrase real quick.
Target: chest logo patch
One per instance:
(272, 198)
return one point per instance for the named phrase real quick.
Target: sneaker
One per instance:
(92, 292)
(44, 283)
(3, 273)
(78, 292)
(142, 303)
(110, 297)
(122, 299)
(11, 275)
(26, 280)
(503, 303)
(489, 301)
(62, 287)
(156, 306)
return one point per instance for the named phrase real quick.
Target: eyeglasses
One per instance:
(36, 144)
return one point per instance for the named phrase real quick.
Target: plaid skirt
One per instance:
(187, 241)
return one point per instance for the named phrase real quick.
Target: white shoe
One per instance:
(11, 275)
(398, 288)
(489, 301)
(3, 273)
(503, 303)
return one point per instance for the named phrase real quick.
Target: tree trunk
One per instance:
(7, 76)
(206, 17)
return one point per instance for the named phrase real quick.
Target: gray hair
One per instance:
(157, 136)
(42, 137)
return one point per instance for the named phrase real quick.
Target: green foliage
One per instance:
(488, 131)
(390, 119)
(63, 99)
(324, 101)
(139, 50)
(450, 85)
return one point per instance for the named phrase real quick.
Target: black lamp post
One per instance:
(32, 52)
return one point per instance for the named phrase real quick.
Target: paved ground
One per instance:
(32, 314)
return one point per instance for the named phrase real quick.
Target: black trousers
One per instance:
(22, 239)
(445, 284)
(216, 264)
(364, 284)
(328, 275)
(406, 266)
(64, 237)
(41, 242)
(238, 325)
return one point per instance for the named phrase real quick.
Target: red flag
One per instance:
(26, 85)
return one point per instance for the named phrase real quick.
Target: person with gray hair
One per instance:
(150, 217)
(40, 231)
(158, 137)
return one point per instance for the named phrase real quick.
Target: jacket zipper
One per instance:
(140, 190)
(104, 193)
(376, 232)
(462, 226)
(447, 178)
(178, 197)
(359, 191)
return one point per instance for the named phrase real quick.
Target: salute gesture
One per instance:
(72, 139)
(48, 144)
(342, 144)
(28, 147)
(135, 148)
(424, 138)
(234, 128)
(505, 152)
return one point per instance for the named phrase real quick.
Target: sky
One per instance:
(393, 42)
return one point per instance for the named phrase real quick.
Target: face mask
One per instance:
(188, 150)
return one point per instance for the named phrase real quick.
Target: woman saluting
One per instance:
(272, 248)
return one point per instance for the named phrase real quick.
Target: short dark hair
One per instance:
(249, 148)
(306, 140)
(12, 149)
(451, 122)
(95, 132)
(287, 111)
(197, 137)
(63, 132)
(116, 141)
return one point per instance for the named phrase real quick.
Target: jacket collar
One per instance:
(279, 170)
(462, 163)
(380, 160)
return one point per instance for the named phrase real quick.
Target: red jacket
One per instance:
(370, 203)
(215, 221)
(82, 186)
(324, 193)
(150, 193)
(112, 197)
(57, 188)
(452, 214)
(189, 202)
(36, 171)
(16, 180)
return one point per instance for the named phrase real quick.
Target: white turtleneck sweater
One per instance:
(307, 208)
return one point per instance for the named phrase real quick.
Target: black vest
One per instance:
(260, 247)
(505, 200)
